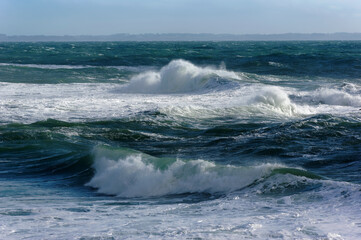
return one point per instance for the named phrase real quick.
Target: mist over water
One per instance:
(225, 140)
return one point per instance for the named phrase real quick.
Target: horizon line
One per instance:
(337, 36)
(179, 33)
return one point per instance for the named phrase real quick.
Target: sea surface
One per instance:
(180, 140)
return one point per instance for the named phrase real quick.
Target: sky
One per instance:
(104, 17)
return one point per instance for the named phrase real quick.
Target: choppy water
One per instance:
(232, 140)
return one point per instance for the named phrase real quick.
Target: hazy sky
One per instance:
(76, 17)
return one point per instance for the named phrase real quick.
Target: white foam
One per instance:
(245, 101)
(134, 175)
(179, 76)
(201, 93)
(99, 101)
(327, 210)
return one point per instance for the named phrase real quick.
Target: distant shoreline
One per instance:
(183, 37)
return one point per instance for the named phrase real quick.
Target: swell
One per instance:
(45, 66)
(321, 142)
(58, 74)
(71, 67)
(43, 150)
(240, 153)
(316, 59)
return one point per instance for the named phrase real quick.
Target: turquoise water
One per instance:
(213, 140)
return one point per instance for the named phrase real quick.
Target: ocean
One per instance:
(180, 140)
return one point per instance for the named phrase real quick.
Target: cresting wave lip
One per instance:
(179, 76)
(128, 173)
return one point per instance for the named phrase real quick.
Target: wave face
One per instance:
(213, 140)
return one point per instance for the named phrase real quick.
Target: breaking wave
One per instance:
(336, 97)
(127, 173)
(179, 76)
